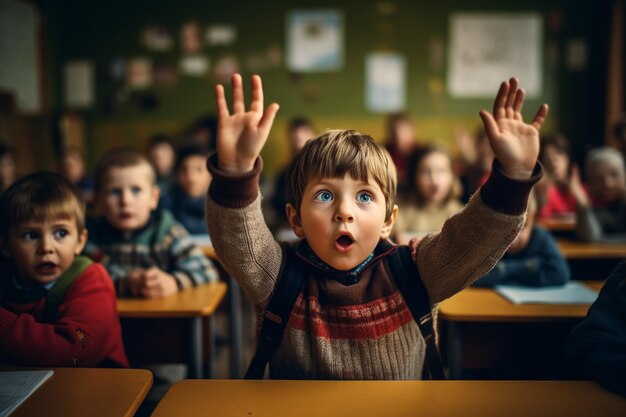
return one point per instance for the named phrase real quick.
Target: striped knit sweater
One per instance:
(344, 328)
(163, 243)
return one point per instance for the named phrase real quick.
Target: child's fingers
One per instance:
(540, 116)
(518, 103)
(510, 98)
(498, 104)
(268, 118)
(222, 106)
(491, 127)
(239, 105)
(256, 102)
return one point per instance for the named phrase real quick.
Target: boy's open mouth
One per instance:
(46, 267)
(344, 243)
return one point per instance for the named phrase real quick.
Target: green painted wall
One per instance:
(104, 31)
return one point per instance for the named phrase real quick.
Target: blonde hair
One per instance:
(336, 153)
(39, 196)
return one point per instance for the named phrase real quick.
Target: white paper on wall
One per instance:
(314, 40)
(385, 82)
(79, 84)
(486, 48)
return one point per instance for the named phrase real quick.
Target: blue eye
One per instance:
(324, 196)
(135, 190)
(364, 197)
(115, 192)
(61, 233)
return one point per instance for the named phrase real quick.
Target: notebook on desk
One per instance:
(16, 386)
(570, 293)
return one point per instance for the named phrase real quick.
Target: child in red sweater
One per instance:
(41, 233)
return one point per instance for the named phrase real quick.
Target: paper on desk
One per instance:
(570, 293)
(15, 387)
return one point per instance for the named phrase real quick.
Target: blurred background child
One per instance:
(601, 217)
(433, 196)
(162, 156)
(533, 259)
(7, 167)
(554, 195)
(476, 170)
(72, 167)
(187, 197)
(401, 142)
(299, 131)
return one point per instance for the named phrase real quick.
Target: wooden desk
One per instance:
(485, 305)
(390, 398)
(192, 305)
(572, 249)
(88, 392)
(558, 224)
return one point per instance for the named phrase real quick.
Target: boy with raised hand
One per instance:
(350, 320)
(56, 308)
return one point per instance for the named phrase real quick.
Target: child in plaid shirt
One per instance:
(146, 251)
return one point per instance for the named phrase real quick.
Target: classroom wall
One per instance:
(104, 31)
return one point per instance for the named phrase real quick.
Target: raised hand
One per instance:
(242, 134)
(514, 142)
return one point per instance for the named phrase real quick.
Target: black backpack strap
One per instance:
(57, 292)
(407, 277)
(277, 313)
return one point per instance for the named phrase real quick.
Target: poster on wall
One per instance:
(79, 84)
(486, 48)
(385, 82)
(315, 40)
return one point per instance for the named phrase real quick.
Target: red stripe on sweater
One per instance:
(363, 321)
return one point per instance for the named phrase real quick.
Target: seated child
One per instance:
(7, 167)
(162, 156)
(432, 200)
(350, 321)
(56, 308)
(401, 142)
(188, 195)
(146, 251)
(299, 131)
(73, 168)
(477, 171)
(597, 346)
(555, 196)
(533, 258)
(601, 216)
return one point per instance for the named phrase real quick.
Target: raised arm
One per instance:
(242, 241)
(472, 241)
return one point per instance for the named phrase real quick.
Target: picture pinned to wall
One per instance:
(488, 47)
(436, 54)
(315, 40)
(274, 55)
(221, 35)
(225, 67)
(139, 73)
(194, 66)
(576, 54)
(190, 40)
(157, 38)
(385, 82)
(79, 84)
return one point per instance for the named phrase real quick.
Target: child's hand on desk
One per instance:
(242, 134)
(135, 282)
(157, 283)
(515, 143)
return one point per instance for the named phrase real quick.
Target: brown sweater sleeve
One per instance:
(244, 245)
(472, 241)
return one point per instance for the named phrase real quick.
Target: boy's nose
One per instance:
(45, 244)
(344, 213)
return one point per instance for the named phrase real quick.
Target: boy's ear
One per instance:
(82, 241)
(156, 192)
(386, 230)
(294, 220)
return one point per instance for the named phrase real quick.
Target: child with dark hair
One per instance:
(56, 308)
(162, 156)
(7, 167)
(188, 195)
(432, 198)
